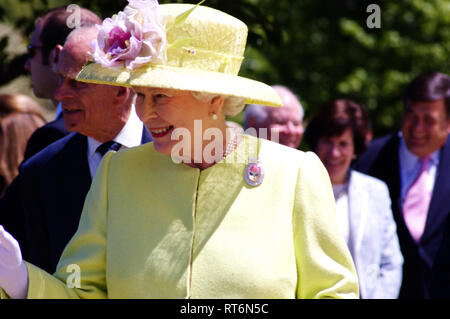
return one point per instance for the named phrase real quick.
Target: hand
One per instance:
(13, 271)
(10, 254)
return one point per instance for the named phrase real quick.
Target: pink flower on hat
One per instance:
(131, 38)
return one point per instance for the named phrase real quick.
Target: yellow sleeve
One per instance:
(324, 264)
(81, 271)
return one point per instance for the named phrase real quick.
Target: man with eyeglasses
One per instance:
(46, 42)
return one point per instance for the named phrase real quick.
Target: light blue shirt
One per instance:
(410, 166)
(129, 136)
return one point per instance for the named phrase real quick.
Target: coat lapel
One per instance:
(69, 179)
(71, 182)
(357, 212)
(440, 200)
(389, 172)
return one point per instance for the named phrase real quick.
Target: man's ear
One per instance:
(122, 94)
(54, 56)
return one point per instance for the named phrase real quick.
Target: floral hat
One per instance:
(175, 46)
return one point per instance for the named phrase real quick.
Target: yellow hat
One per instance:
(187, 47)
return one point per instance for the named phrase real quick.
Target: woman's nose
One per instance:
(146, 112)
(335, 151)
(418, 125)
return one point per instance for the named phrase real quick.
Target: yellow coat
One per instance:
(151, 228)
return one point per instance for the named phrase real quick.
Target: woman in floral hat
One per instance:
(204, 211)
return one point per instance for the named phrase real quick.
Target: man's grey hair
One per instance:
(80, 34)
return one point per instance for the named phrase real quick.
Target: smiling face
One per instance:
(425, 126)
(164, 110)
(337, 153)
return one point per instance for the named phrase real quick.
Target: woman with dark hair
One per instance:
(363, 207)
(20, 116)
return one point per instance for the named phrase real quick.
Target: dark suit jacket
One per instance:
(44, 136)
(381, 161)
(440, 282)
(42, 207)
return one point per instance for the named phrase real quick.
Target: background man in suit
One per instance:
(46, 42)
(287, 120)
(415, 163)
(42, 206)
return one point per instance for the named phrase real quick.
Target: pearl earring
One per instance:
(214, 116)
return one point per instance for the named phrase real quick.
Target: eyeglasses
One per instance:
(31, 50)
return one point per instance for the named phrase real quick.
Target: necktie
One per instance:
(108, 146)
(417, 200)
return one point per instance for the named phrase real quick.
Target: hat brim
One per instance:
(186, 79)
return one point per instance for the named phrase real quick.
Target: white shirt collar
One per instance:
(129, 136)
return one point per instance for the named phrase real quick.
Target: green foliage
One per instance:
(320, 49)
